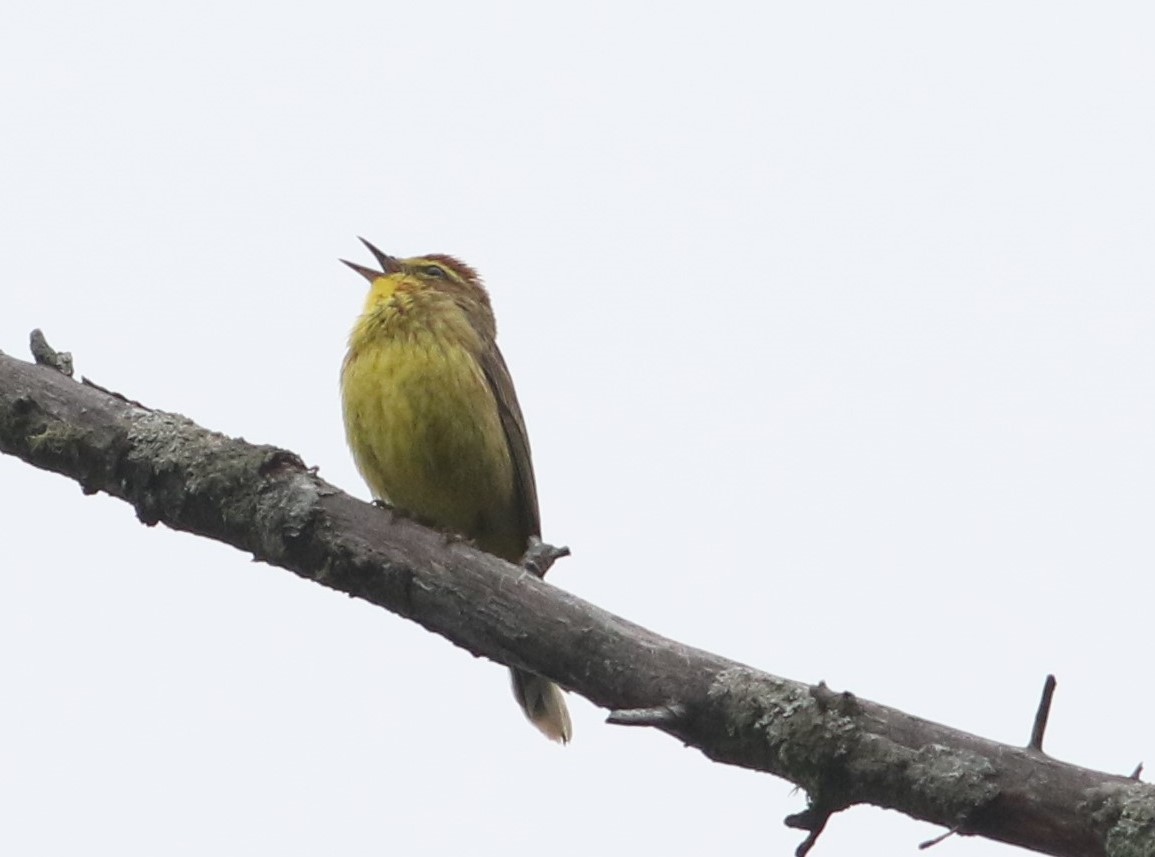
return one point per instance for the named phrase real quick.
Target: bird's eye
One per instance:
(434, 271)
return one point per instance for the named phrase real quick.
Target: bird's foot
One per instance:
(540, 557)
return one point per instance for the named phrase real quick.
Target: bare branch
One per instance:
(812, 819)
(843, 750)
(942, 837)
(1041, 715)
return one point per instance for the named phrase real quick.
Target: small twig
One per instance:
(1036, 742)
(930, 843)
(662, 715)
(1138, 770)
(45, 355)
(808, 843)
(540, 557)
(813, 819)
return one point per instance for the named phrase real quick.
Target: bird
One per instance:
(434, 424)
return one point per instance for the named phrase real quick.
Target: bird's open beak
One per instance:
(389, 265)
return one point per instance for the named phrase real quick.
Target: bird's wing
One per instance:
(497, 374)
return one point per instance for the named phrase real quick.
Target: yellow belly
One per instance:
(426, 435)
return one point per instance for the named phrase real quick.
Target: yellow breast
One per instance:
(425, 431)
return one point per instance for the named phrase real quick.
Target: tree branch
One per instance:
(841, 749)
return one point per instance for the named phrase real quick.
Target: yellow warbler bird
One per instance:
(434, 424)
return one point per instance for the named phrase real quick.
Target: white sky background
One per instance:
(833, 326)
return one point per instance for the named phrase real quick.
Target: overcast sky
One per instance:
(832, 323)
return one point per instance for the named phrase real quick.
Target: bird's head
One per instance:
(405, 280)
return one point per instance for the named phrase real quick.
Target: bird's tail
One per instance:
(543, 704)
